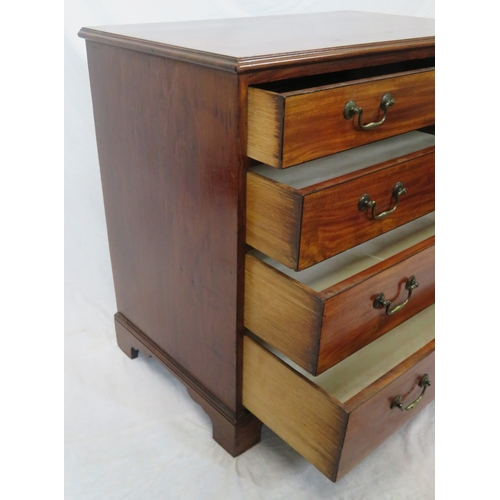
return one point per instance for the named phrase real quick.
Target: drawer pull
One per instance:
(351, 109)
(380, 300)
(398, 400)
(365, 202)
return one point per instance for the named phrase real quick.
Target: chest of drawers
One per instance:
(268, 186)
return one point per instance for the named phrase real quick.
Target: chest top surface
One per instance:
(242, 41)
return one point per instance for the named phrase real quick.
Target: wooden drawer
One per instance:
(287, 127)
(337, 419)
(308, 213)
(320, 316)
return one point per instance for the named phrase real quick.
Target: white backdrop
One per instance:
(131, 431)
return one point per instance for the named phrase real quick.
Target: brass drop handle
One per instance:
(365, 202)
(380, 300)
(351, 109)
(398, 400)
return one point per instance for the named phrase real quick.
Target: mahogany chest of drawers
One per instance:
(269, 194)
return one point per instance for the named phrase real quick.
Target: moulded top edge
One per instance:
(254, 42)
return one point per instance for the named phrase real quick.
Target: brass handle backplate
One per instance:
(398, 400)
(381, 302)
(351, 109)
(365, 202)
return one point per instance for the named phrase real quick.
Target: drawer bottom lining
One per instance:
(349, 377)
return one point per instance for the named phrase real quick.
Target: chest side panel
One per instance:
(167, 139)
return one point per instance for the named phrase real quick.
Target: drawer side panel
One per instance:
(265, 126)
(282, 312)
(298, 411)
(272, 214)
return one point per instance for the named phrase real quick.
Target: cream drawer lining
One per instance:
(334, 270)
(349, 377)
(347, 162)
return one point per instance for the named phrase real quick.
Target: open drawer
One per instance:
(305, 214)
(337, 419)
(289, 125)
(319, 316)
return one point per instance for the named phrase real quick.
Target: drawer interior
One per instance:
(344, 163)
(328, 79)
(337, 419)
(290, 125)
(334, 270)
(352, 375)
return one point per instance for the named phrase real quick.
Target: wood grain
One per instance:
(333, 436)
(371, 419)
(321, 113)
(314, 125)
(235, 432)
(173, 209)
(301, 227)
(300, 413)
(274, 212)
(282, 312)
(340, 60)
(170, 107)
(265, 132)
(234, 435)
(318, 329)
(331, 220)
(350, 321)
(282, 41)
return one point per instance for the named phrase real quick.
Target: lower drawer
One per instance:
(335, 420)
(322, 315)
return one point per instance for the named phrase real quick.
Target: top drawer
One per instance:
(287, 127)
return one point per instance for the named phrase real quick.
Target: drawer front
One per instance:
(300, 228)
(377, 416)
(333, 436)
(350, 320)
(295, 127)
(318, 329)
